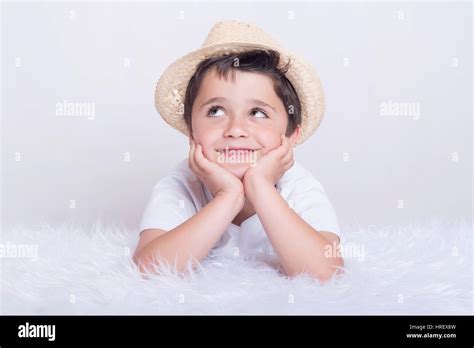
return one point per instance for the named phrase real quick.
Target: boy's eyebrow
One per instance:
(259, 102)
(221, 99)
(212, 100)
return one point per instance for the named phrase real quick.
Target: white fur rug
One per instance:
(420, 268)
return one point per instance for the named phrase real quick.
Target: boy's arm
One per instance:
(195, 237)
(300, 246)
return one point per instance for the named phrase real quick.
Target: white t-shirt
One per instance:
(180, 194)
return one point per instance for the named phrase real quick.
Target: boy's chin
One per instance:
(238, 169)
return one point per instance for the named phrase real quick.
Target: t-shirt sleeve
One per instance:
(310, 201)
(169, 206)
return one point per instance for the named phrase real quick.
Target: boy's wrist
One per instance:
(254, 188)
(236, 199)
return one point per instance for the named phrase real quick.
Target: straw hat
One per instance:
(230, 37)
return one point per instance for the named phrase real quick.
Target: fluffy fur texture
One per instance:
(418, 268)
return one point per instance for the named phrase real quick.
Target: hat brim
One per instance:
(171, 87)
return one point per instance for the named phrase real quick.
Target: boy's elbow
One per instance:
(327, 273)
(139, 262)
(151, 264)
(334, 268)
(143, 264)
(136, 258)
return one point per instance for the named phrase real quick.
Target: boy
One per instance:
(240, 188)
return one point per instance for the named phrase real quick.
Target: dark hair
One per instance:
(260, 61)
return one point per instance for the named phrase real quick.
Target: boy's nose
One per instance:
(236, 128)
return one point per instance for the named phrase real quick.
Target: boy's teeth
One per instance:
(233, 150)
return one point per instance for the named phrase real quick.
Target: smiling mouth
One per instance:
(234, 151)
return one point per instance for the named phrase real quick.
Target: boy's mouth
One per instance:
(237, 156)
(235, 150)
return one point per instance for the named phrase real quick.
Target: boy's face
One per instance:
(237, 119)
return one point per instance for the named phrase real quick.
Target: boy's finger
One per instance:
(195, 157)
(283, 149)
(288, 156)
(192, 163)
(196, 166)
(200, 159)
(278, 151)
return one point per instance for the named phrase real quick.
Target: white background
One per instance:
(365, 54)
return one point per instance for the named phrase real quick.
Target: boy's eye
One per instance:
(213, 109)
(264, 115)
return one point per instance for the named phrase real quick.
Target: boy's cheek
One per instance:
(209, 154)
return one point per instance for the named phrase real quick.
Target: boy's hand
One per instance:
(270, 167)
(218, 180)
